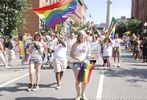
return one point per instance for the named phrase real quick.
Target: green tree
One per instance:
(120, 28)
(134, 25)
(11, 16)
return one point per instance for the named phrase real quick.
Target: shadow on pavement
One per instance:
(23, 87)
(138, 74)
(42, 98)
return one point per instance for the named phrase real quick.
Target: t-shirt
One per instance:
(107, 49)
(36, 50)
(60, 52)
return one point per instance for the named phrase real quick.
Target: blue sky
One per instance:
(97, 9)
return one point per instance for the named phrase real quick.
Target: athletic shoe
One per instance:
(30, 87)
(58, 87)
(118, 65)
(84, 97)
(36, 87)
(78, 98)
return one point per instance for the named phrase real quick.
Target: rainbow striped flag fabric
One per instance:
(22, 50)
(56, 13)
(111, 27)
(85, 72)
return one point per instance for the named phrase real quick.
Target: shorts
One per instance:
(59, 65)
(35, 61)
(105, 59)
(77, 65)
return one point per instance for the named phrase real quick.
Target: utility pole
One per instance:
(109, 2)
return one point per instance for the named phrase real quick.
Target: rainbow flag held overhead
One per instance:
(57, 12)
(111, 27)
(85, 72)
(112, 35)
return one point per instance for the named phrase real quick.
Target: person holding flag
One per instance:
(80, 52)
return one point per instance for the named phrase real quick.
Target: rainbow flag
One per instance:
(112, 35)
(111, 27)
(21, 50)
(85, 72)
(57, 12)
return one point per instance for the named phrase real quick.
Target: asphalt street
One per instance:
(125, 83)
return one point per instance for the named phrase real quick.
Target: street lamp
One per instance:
(145, 27)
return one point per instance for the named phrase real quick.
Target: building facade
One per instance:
(139, 9)
(33, 22)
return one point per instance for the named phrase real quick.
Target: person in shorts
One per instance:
(80, 52)
(60, 59)
(35, 61)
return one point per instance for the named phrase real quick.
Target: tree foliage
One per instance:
(11, 15)
(121, 28)
(134, 25)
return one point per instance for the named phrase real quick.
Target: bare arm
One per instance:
(73, 50)
(61, 41)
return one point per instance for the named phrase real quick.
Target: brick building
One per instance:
(33, 22)
(139, 9)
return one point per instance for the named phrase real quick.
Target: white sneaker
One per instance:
(78, 98)
(58, 87)
(115, 64)
(118, 65)
(7, 66)
(84, 97)
(36, 87)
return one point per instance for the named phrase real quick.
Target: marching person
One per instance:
(80, 53)
(35, 61)
(116, 50)
(11, 50)
(2, 52)
(107, 52)
(60, 59)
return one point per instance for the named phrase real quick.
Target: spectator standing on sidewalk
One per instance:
(2, 52)
(80, 53)
(11, 50)
(144, 49)
(60, 59)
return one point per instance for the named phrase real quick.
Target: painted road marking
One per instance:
(100, 87)
(14, 80)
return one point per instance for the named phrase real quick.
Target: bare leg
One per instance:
(38, 67)
(76, 72)
(31, 71)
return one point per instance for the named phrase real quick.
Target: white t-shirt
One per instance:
(36, 50)
(82, 51)
(107, 49)
(116, 42)
(60, 52)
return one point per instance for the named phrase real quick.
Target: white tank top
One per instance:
(82, 51)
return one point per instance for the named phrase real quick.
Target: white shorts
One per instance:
(59, 65)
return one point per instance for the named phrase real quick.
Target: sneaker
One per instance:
(30, 87)
(78, 98)
(115, 64)
(84, 97)
(58, 87)
(6, 66)
(118, 65)
(36, 87)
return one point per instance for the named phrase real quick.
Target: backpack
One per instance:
(10, 45)
(6, 44)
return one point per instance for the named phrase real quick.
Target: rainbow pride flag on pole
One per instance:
(85, 72)
(57, 12)
(111, 27)
(22, 50)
